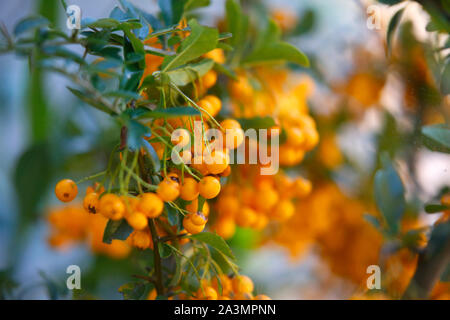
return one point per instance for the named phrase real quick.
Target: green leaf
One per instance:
(189, 73)
(164, 250)
(237, 23)
(201, 40)
(214, 241)
(123, 94)
(435, 208)
(195, 4)
(132, 290)
(269, 49)
(445, 80)
(83, 97)
(172, 215)
(171, 10)
(170, 112)
(372, 220)
(136, 131)
(119, 230)
(32, 178)
(256, 122)
(104, 23)
(30, 23)
(437, 137)
(390, 2)
(393, 23)
(152, 155)
(389, 195)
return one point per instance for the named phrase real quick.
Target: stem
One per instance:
(157, 258)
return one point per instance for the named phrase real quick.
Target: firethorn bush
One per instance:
(218, 136)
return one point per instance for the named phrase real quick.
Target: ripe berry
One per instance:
(66, 190)
(215, 102)
(207, 106)
(193, 207)
(209, 187)
(91, 203)
(141, 239)
(225, 227)
(137, 220)
(242, 284)
(246, 217)
(198, 218)
(111, 206)
(209, 79)
(192, 227)
(168, 190)
(207, 293)
(189, 189)
(283, 210)
(217, 161)
(234, 135)
(151, 205)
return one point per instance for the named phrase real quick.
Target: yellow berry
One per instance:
(217, 161)
(209, 187)
(66, 190)
(168, 190)
(137, 220)
(189, 189)
(91, 202)
(242, 284)
(151, 205)
(111, 206)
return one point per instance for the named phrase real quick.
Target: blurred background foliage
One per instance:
(374, 91)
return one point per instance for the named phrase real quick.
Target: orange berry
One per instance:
(189, 190)
(207, 106)
(246, 217)
(209, 187)
(190, 226)
(152, 295)
(168, 190)
(283, 210)
(234, 135)
(151, 205)
(302, 187)
(199, 164)
(193, 207)
(226, 172)
(137, 220)
(261, 297)
(265, 197)
(111, 206)
(141, 239)
(66, 190)
(216, 55)
(295, 136)
(91, 203)
(207, 293)
(197, 218)
(225, 227)
(242, 284)
(217, 161)
(215, 102)
(209, 79)
(225, 283)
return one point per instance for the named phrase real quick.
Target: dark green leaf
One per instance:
(437, 137)
(152, 155)
(445, 79)
(170, 112)
(435, 208)
(171, 10)
(393, 23)
(128, 95)
(32, 178)
(373, 221)
(214, 241)
(390, 2)
(201, 40)
(172, 215)
(119, 230)
(135, 133)
(237, 23)
(30, 23)
(389, 195)
(164, 250)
